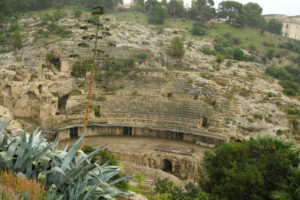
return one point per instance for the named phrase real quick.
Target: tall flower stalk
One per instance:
(97, 12)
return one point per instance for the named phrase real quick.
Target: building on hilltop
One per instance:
(291, 25)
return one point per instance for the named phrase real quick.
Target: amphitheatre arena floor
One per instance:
(142, 146)
(135, 144)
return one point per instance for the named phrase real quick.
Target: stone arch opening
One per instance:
(74, 133)
(204, 122)
(40, 88)
(62, 101)
(179, 136)
(167, 166)
(127, 131)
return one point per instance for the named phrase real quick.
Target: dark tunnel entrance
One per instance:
(167, 166)
(127, 131)
(74, 133)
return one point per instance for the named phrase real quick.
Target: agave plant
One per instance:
(67, 174)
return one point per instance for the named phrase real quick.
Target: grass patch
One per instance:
(75, 92)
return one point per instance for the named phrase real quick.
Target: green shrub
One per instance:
(57, 15)
(287, 80)
(3, 39)
(269, 44)
(77, 13)
(291, 45)
(252, 47)
(43, 33)
(75, 92)
(120, 65)
(102, 98)
(290, 87)
(165, 189)
(279, 73)
(134, 93)
(158, 16)
(238, 54)
(176, 48)
(228, 63)
(45, 19)
(294, 72)
(142, 57)
(279, 132)
(197, 30)
(54, 60)
(208, 51)
(292, 111)
(219, 58)
(270, 54)
(17, 39)
(58, 30)
(80, 68)
(97, 111)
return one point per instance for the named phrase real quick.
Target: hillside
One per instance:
(234, 97)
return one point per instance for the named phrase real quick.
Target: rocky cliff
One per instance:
(192, 94)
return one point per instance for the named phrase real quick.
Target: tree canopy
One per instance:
(250, 170)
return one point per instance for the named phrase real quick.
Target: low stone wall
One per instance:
(183, 167)
(71, 132)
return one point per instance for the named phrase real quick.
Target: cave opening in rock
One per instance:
(167, 166)
(127, 131)
(97, 111)
(179, 136)
(62, 101)
(74, 133)
(40, 88)
(204, 122)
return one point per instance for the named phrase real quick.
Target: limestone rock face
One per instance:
(194, 94)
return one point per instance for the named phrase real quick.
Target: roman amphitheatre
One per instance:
(160, 117)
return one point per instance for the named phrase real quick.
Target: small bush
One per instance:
(117, 66)
(80, 68)
(75, 92)
(58, 30)
(54, 60)
(17, 39)
(219, 58)
(268, 44)
(270, 54)
(176, 48)
(58, 15)
(228, 63)
(142, 57)
(134, 93)
(208, 51)
(197, 30)
(238, 54)
(158, 16)
(77, 13)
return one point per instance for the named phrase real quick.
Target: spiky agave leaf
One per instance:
(39, 159)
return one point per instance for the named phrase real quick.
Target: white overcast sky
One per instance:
(287, 7)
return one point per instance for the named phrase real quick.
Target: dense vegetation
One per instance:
(289, 78)
(201, 11)
(258, 169)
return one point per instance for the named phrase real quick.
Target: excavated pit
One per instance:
(176, 153)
